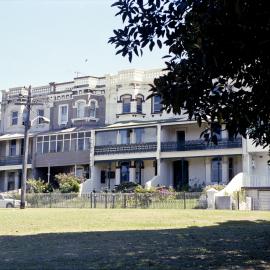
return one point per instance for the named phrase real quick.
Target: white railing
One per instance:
(256, 180)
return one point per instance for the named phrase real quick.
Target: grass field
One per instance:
(133, 239)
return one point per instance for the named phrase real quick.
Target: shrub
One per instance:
(217, 187)
(128, 187)
(38, 186)
(140, 189)
(68, 183)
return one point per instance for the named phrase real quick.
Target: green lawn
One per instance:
(133, 239)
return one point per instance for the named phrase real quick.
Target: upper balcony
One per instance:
(13, 160)
(126, 148)
(200, 145)
(199, 148)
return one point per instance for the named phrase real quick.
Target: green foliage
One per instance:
(217, 187)
(141, 189)
(128, 187)
(38, 186)
(68, 183)
(241, 195)
(218, 63)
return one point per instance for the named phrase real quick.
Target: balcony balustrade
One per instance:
(13, 160)
(125, 148)
(256, 181)
(200, 145)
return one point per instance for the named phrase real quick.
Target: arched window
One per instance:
(80, 109)
(93, 109)
(139, 100)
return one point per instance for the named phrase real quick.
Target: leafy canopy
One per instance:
(218, 58)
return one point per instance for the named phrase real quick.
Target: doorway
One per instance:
(180, 175)
(124, 172)
(181, 138)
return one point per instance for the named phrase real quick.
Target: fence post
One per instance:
(113, 200)
(136, 200)
(238, 200)
(50, 200)
(125, 201)
(91, 199)
(95, 200)
(184, 200)
(106, 197)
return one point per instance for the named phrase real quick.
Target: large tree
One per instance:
(218, 58)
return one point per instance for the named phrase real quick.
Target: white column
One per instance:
(16, 184)
(6, 181)
(132, 172)
(224, 132)
(7, 148)
(118, 137)
(158, 149)
(225, 170)
(207, 171)
(117, 176)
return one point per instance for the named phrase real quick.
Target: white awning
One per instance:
(13, 136)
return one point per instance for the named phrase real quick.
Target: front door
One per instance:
(180, 175)
(124, 172)
(181, 137)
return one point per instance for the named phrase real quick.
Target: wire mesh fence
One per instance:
(179, 200)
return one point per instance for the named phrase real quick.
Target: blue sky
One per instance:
(48, 40)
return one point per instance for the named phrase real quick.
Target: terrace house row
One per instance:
(106, 130)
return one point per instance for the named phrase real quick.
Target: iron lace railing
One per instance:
(125, 148)
(200, 145)
(12, 160)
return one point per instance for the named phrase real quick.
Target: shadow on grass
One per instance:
(229, 245)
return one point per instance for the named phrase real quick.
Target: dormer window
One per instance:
(126, 101)
(156, 104)
(80, 109)
(93, 109)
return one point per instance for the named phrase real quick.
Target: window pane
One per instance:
(139, 105)
(45, 147)
(59, 146)
(40, 112)
(125, 136)
(63, 114)
(39, 147)
(66, 145)
(87, 144)
(92, 109)
(156, 104)
(126, 105)
(139, 135)
(53, 146)
(80, 109)
(12, 148)
(216, 170)
(59, 137)
(80, 144)
(14, 118)
(73, 145)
